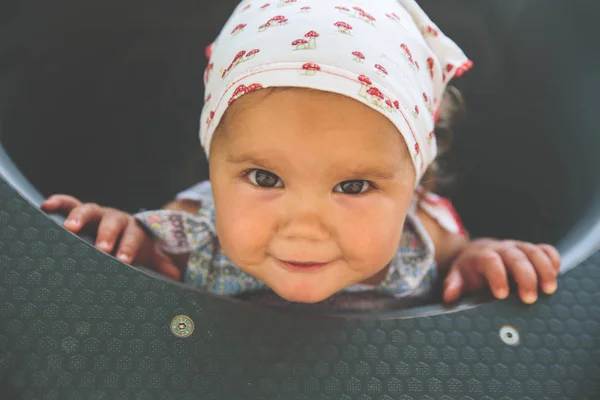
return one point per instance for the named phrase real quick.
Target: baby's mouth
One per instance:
(303, 265)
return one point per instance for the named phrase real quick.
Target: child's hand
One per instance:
(134, 244)
(489, 262)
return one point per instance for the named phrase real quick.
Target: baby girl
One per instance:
(319, 127)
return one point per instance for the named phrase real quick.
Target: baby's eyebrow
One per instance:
(249, 159)
(371, 173)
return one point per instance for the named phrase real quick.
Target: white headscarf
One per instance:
(386, 54)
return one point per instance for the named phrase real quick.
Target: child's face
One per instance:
(311, 191)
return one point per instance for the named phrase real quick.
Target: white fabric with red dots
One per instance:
(386, 54)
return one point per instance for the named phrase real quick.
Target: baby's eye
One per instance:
(265, 179)
(352, 187)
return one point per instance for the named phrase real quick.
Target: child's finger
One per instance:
(553, 254)
(523, 273)
(543, 266)
(110, 228)
(454, 285)
(492, 267)
(83, 215)
(60, 202)
(131, 241)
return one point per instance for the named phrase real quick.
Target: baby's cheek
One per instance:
(374, 244)
(243, 237)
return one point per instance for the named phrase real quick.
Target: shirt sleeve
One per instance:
(178, 232)
(200, 192)
(442, 210)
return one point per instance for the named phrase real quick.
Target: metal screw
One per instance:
(182, 326)
(510, 335)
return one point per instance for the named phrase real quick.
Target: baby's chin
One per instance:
(305, 296)
(307, 291)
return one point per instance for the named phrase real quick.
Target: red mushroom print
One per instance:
(344, 10)
(382, 70)
(358, 12)
(430, 67)
(428, 102)
(264, 27)
(376, 96)
(407, 52)
(265, 6)
(393, 16)
(239, 91)
(283, 3)
(300, 44)
(416, 113)
(279, 20)
(390, 105)
(312, 39)
(251, 54)
(208, 71)
(343, 27)
(311, 68)
(417, 148)
(227, 70)
(397, 105)
(358, 56)
(449, 67)
(253, 87)
(238, 29)
(210, 118)
(238, 58)
(430, 31)
(247, 7)
(368, 18)
(207, 102)
(431, 136)
(305, 9)
(366, 84)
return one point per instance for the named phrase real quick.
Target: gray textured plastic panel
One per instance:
(77, 324)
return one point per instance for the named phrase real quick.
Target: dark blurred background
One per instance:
(101, 99)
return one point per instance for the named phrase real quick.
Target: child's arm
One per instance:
(120, 234)
(470, 265)
(191, 207)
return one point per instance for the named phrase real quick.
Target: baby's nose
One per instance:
(305, 231)
(305, 221)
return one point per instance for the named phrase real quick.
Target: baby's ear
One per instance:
(189, 206)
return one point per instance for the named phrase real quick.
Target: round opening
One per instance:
(526, 158)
